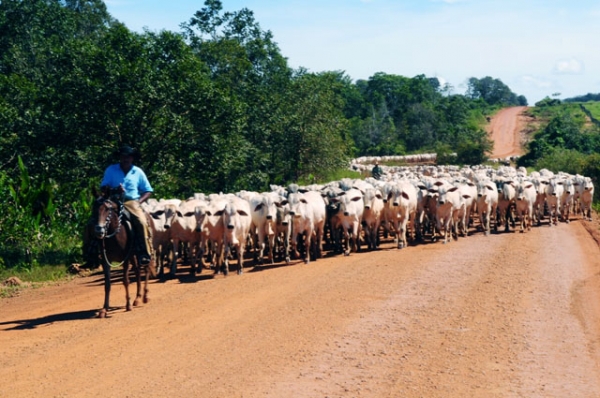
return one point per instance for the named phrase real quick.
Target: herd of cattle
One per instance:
(410, 203)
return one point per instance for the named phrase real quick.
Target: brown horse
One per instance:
(116, 244)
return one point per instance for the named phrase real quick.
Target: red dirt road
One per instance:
(508, 315)
(505, 130)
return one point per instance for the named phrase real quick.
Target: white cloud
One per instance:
(568, 67)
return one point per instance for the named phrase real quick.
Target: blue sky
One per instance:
(536, 47)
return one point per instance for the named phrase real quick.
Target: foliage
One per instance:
(493, 92)
(565, 130)
(212, 108)
(584, 98)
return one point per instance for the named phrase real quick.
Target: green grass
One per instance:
(594, 108)
(33, 277)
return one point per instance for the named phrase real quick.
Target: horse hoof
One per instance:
(102, 313)
(146, 300)
(136, 302)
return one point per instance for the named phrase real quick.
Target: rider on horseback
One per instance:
(132, 183)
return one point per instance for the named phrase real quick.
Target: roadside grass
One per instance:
(30, 278)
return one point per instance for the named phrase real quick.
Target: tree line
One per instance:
(213, 107)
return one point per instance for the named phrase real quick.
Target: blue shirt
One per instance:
(135, 182)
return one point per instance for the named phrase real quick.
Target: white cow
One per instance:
(586, 197)
(264, 220)
(184, 233)
(308, 219)
(350, 217)
(487, 203)
(450, 206)
(506, 201)
(468, 193)
(554, 195)
(525, 199)
(161, 216)
(237, 220)
(212, 232)
(283, 228)
(567, 200)
(401, 209)
(372, 216)
(541, 188)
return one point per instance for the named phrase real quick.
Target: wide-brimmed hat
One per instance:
(126, 150)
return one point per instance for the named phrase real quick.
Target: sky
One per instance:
(538, 48)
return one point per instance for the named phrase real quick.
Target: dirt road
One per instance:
(505, 130)
(508, 315)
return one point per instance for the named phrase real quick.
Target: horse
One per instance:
(115, 240)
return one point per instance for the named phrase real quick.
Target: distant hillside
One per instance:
(584, 98)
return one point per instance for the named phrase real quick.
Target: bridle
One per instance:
(110, 206)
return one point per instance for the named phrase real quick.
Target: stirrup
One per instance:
(144, 259)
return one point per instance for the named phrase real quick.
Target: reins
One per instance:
(113, 234)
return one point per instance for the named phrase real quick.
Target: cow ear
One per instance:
(179, 214)
(189, 214)
(219, 213)
(423, 187)
(208, 213)
(242, 213)
(528, 186)
(258, 207)
(405, 195)
(438, 183)
(453, 189)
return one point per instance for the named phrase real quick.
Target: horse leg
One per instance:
(126, 284)
(104, 311)
(138, 294)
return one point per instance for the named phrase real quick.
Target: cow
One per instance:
(283, 229)
(350, 218)
(541, 189)
(308, 219)
(372, 215)
(506, 202)
(450, 206)
(401, 209)
(567, 200)
(161, 215)
(487, 203)
(263, 208)
(525, 199)
(236, 220)
(468, 193)
(212, 232)
(586, 197)
(184, 233)
(553, 198)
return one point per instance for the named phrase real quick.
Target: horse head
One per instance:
(107, 214)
